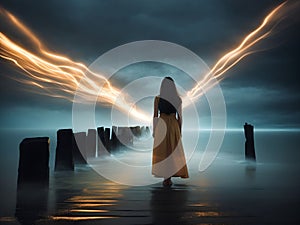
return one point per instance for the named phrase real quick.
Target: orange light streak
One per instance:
(92, 205)
(89, 210)
(58, 76)
(78, 218)
(92, 200)
(234, 56)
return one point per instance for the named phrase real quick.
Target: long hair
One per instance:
(168, 91)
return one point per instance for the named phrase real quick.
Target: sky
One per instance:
(262, 89)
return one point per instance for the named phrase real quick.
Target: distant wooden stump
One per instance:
(114, 141)
(249, 143)
(91, 143)
(79, 145)
(125, 136)
(136, 131)
(148, 131)
(107, 139)
(101, 141)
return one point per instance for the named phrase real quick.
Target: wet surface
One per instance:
(84, 197)
(229, 192)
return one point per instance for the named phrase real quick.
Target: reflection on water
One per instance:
(250, 171)
(89, 210)
(182, 205)
(168, 205)
(209, 214)
(77, 218)
(91, 205)
(81, 196)
(84, 197)
(199, 205)
(91, 200)
(206, 210)
(229, 192)
(31, 205)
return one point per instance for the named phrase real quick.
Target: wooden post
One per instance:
(64, 154)
(249, 143)
(101, 141)
(114, 141)
(91, 143)
(34, 162)
(79, 145)
(107, 138)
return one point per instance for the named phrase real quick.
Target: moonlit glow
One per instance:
(59, 76)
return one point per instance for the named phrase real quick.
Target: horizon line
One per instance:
(233, 129)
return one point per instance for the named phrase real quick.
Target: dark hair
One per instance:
(169, 78)
(168, 91)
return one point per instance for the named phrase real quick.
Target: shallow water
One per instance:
(230, 191)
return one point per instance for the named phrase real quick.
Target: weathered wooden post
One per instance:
(64, 154)
(101, 141)
(136, 131)
(79, 145)
(148, 131)
(114, 141)
(125, 136)
(91, 143)
(122, 136)
(130, 135)
(139, 131)
(249, 143)
(34, 162)
(107, 138)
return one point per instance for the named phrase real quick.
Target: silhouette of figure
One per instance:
(168, 159)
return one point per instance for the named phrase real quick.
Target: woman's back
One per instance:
(166, 107)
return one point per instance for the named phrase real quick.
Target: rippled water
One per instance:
(230, 191)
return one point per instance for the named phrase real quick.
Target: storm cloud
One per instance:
(262, 89)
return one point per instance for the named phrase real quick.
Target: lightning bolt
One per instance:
(59, 76)
(245, 48)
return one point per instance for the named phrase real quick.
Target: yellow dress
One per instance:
(168, 159)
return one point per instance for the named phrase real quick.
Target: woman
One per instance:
(168, 158)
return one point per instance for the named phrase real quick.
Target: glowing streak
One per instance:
(59, 76)
(231, 58)
(89, 210)
(78, 218)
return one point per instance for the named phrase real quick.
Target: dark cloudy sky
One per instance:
(263, 89)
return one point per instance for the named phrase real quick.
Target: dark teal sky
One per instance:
(263, 89)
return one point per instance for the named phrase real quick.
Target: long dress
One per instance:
(168, 159)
